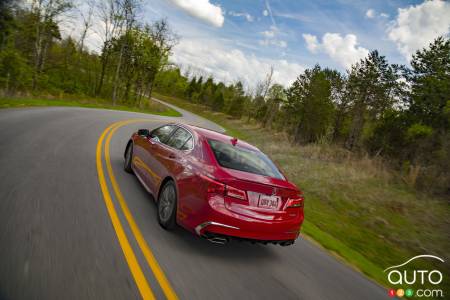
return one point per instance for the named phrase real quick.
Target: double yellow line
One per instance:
(130, 256)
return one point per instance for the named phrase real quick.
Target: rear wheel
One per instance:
(128, 158)
(167, 206)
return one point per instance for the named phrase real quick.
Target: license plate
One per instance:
(270, 202)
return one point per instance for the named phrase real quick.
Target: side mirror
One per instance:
(143, 132)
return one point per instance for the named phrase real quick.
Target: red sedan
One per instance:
(215, 185)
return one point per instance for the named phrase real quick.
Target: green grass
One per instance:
(149, 107)
(356, 207)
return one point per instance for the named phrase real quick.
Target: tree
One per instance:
(372, 87)
(14, 71)
(275, 96)
(6, 20)
(416, 134)
(110, 13)
(46, 15)
(257, 108)
(129, 10)
(309, 98)
(218, 101)
(430, 84)
(237, 101)
(191, 88)
(164, 39)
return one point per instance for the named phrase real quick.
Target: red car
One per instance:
(215, 185)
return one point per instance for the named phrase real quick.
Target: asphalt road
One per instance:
(57, 240)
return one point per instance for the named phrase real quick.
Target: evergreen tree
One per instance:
(309, 99)
(372, 87)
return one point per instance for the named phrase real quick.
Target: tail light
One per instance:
(214, 187)
(218, 188)
(295, 202)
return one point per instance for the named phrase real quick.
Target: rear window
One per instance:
(241, 159)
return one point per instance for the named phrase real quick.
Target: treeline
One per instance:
(34, 56)
(397, 112)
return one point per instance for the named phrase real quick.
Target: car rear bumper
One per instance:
(221, 221)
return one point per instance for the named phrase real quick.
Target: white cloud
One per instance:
(343, 50)
(268, 34)
(229, 64)
(203, 10)
(273, 42)
(271, 39)
(370, 13)
(247, 16)
(417, 26)
(293, 16)
(311, 42)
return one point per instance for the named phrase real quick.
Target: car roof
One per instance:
(214, 135)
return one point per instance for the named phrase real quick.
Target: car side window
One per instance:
(163, 133)
(179, 139)
(189, 144)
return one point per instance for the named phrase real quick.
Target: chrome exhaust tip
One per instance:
(218, 240)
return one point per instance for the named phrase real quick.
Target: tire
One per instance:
(128, 159)
(167, 206)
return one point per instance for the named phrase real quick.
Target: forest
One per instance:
(400, 113)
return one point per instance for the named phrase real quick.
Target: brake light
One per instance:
(295, 203)
(216, 187)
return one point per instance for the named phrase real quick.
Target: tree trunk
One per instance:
(150, 91)
(37, 53)
(270, 114)
(105, 59)
(116, 77)
(356, 127)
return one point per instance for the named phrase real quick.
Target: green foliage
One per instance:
(218, 101)
(430, 80)
(34, 58)
(15, 72)
(310, 99)
(372, 86)
(417, 131)
(237, 101)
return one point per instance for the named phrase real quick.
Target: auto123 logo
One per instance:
(399, 276)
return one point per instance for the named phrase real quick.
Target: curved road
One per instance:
(57, 240)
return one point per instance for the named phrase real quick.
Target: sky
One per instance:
(241, 40)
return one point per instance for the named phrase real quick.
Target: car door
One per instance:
(151, 150)
(172, 158)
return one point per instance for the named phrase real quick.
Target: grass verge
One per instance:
(356, 207)
(149, 107)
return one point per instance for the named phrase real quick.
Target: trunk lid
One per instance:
(266, 197)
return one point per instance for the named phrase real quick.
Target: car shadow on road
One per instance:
(235, 250)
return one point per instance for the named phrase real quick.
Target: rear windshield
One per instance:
(238, 158)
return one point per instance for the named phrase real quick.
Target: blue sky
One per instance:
(240, 40)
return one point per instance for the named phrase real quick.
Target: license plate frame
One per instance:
(268, 202)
